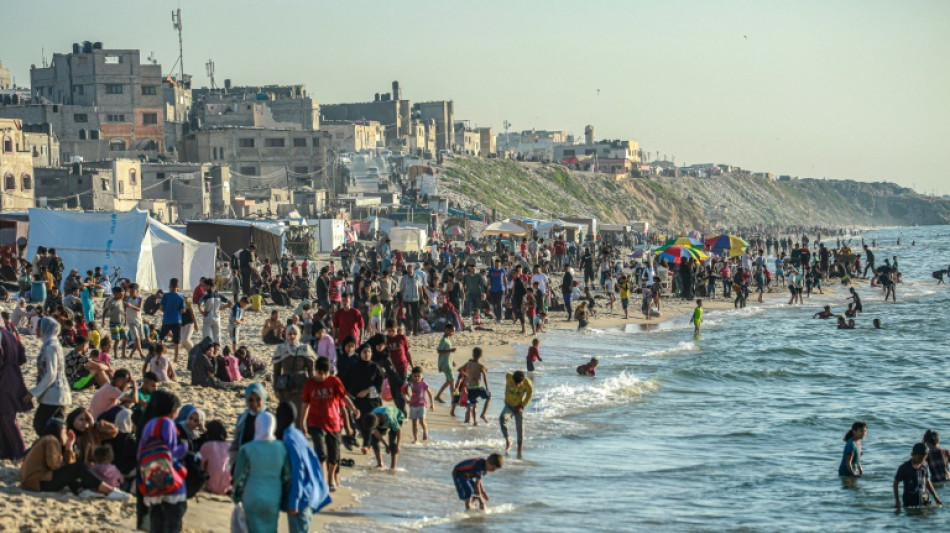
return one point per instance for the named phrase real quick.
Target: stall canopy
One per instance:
(504, 228)
(143, 249)
(234, 235)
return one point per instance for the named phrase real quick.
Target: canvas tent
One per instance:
(408, 239)
(142, 248)
(504, 228)
(233, 235)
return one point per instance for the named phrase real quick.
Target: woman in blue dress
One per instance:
(261, 475)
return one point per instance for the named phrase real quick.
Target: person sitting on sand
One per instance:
(273, 330)
(51, 465)
(588, 368)
(824, 313)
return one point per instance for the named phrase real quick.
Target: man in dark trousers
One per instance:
(245, 260)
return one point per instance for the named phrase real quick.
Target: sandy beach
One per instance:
(26, 511)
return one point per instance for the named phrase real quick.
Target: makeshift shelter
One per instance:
(328, 233)
(233, 235)
(408, 239)
(132, 244)
(504, 228)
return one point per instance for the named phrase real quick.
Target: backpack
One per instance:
(159, 472)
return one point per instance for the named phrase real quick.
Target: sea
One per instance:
(738, 429)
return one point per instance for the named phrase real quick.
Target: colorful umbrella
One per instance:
(727, 245)
(677, 253)
(455, 231)
(684, 241)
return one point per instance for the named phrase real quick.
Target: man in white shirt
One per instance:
(210, 305)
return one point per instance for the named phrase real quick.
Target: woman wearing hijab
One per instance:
(89, 433)
(191, 424)
(14, 398)
(261, 475)
(52, 387)
(307, 493)
(293, 365)
(123, 445)
(88, 306)
(51, 466)
(256, 398)
(363, 382)
(167, 511)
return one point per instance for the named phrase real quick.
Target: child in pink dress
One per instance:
(215, 460)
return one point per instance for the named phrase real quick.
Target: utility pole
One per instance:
(176, 23)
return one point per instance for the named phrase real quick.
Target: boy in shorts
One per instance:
(625, 288)
(236, 321)
(477, 384)
(446, 350)
(133, 319)
(467, 476)
(380, 423)
(113, 309)
(418, 391)
(324, 396)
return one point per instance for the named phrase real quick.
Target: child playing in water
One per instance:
(418, 392)
(467, 476)
(589, 368)
(851, 460)
(534, 354)
(937, 458)
(697, 319)
(915, 476)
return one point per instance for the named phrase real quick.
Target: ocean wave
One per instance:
(591, 394)
(682, 346)
(458, 517)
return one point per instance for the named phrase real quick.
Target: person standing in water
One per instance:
(851, 460)
(697, 319)
(915, 477)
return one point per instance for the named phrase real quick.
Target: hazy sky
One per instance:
(846, 89)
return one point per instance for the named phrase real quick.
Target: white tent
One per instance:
(504, 228)
(141, 248)
(408, 239)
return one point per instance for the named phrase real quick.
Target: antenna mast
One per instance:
(209, 67)
(176, 23)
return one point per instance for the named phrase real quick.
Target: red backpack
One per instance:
(159, 472)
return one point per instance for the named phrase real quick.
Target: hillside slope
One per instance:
(552, 191)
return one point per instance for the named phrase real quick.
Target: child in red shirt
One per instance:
(323, 398)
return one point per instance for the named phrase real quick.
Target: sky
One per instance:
(825, 89)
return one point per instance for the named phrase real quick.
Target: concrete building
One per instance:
(16, 168)
(443, 113)
(354, 136)
(6, 79)
(195, 190)
(109, 92)
(263, 202)
(532, 144)
(42, 143)
(113, 185)
(487, 142)
(310, 203)
(467, 140)
(422, 138)
(600, 156)
(258, 151)
(178, 103)
(387, 109)
(285, 107)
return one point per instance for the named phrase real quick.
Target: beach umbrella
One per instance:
(677, 253)
(454, 231)
(727, 245)
(684, 241)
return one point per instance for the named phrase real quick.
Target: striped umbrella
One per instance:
(727, 245)
(677, 253)
(684, 241)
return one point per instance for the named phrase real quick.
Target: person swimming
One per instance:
(824, 313)
(877, 323)
(588, 368)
